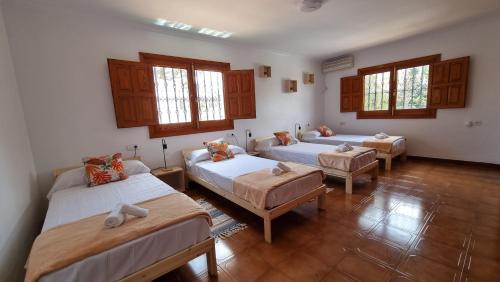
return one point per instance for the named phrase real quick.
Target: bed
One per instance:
(142, 259)
(220, 176)
(397, 148)
(308, 153)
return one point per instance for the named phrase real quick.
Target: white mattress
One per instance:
(80, 202)
(356, 140)
(223, 173)
(307, 153)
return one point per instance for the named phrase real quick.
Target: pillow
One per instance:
(104, 169)
(219, 150)
(265, 144)
(197, 156)
(68, 179)
(285, 138)
(325, 131)
(132, 167)
(311, 134)
(237, 150)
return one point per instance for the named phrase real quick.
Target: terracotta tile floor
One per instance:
(424, 221)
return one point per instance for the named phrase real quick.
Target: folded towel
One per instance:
(277, 171)
(344, 148)
(115, 218)
(284, 167)
(381, 135)
(134, 210)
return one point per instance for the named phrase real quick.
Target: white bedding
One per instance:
(80, 202)
(307, 153)
(356, 140)
(222, 174)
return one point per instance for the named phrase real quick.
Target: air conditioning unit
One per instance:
(338, 63)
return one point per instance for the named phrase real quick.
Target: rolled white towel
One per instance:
(134, 210)
(277, 171)
(349, 146)
(344, 148)
(381, 135)
(284, 167)
(115, 218)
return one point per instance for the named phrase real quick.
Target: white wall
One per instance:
(19, 209)
(446, 136)
(60, 61)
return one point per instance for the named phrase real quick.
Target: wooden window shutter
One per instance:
(448, 84)
(239, 91)
(351, 94)
(133, 92)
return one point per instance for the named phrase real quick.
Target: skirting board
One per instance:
(490, 165)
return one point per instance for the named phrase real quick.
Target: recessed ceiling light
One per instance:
(173, 24)
(215, 33)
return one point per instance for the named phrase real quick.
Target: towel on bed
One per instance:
(65, 244)
(341, 160)
(253, 187)
(382, 145)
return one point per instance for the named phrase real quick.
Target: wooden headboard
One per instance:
(59, 171)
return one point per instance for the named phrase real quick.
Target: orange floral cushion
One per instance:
(285, 138)
(104, 169)
(219, 150)
(325, 131)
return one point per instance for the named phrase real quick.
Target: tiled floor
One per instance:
(424, 221)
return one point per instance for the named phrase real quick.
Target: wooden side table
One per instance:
(173, 176)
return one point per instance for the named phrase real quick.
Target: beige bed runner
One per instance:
(382, 145)
(63, 245)
(341, 160)
(255, 186)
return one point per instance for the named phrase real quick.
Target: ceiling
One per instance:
(339, 26)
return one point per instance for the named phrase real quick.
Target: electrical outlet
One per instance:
(132, 147)
(230, 135)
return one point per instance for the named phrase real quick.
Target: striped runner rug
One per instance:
(224, 226)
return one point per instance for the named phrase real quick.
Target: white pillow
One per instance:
(197, 156)
(311, 134)
(265, 144)
(70, 178)
(132, 167)
(76, 177)
(237, 150)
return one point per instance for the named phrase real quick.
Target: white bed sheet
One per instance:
(80, 202)
(398, 146)
(307, 153)
(222, 174)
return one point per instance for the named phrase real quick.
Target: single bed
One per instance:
(397, 148)
(219, 177)
(308, 153)
(142, 259)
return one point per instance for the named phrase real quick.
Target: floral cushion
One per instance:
(325, 131)
(285, 138)
(219, 150)
(104, 169)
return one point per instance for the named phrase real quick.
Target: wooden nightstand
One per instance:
(173, 176)
(253, 153)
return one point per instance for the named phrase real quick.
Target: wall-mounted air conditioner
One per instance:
(338, 63)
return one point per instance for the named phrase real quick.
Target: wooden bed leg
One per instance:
(267, 229)
(348, 184)
(212, 261)
(403, 156)
(322, 201)
(374, 173)
(388, 161)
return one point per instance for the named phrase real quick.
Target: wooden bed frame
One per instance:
(267, 214)
(170, 263)
(388, 158)
(371, 168)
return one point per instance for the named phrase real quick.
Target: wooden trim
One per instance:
(267, 214)
(168, 264)
(158, 131)
(401, 64)
(198, 63)
(58, 171)
(461, 162)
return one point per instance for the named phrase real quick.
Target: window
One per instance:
(189, 95)
(397, 90)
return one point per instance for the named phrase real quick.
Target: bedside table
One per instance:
(172, 175)
(253, 153)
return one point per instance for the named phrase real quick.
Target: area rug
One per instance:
(224, 226)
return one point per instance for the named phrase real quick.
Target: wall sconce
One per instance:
(248, 134)
(297, 125)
